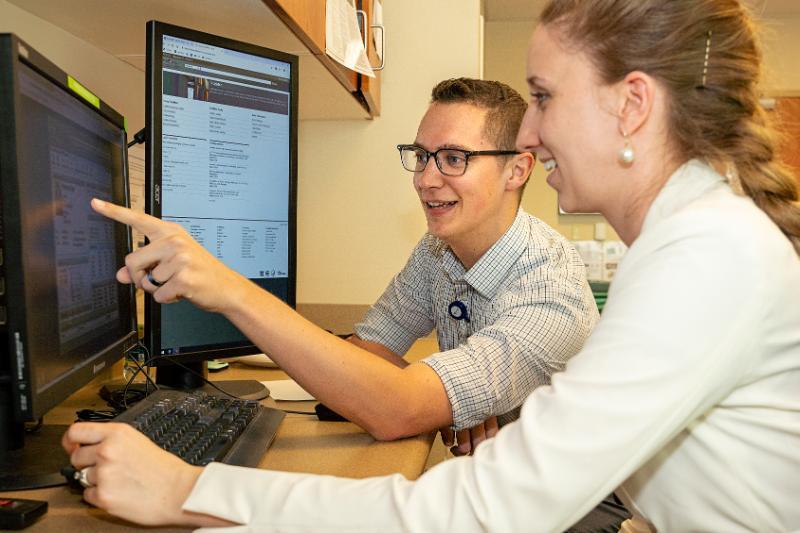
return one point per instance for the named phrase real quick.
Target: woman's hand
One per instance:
(173, 266)
(131, 477)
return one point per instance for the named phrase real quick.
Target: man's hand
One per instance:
(468, 439)
(181, 268)
(131, 477)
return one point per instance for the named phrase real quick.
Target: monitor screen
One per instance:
(221, 162)
(65, 317)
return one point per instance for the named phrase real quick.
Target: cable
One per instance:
(293, 412)
(198, 374)
(33, 427)
(138, 138)
(149, 381)
(96, 415)
(119, 400)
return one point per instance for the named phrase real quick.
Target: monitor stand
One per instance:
(37, 463)
(186, 376)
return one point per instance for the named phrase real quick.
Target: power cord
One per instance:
(138, 138)
(33, 427)
(149, 362)
(96, 415)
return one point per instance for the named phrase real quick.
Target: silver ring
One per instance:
(152, 280)
(82, 478)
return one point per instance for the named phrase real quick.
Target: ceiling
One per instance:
(496, 10)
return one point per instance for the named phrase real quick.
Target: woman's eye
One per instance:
(539, 98)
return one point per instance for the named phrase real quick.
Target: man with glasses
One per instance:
(506, 294)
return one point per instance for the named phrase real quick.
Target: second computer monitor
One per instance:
(222, 162)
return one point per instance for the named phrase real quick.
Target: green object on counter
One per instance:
(600, 292)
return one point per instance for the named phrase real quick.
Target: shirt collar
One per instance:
(488, 273)
(689, 182)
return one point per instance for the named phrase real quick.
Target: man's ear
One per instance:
(518, 170)
(636, 95)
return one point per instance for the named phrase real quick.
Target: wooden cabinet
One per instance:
(370, 88)
(786, 114)
(306, 19)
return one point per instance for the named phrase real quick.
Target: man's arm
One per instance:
(461, 442)
(388, 401)
(378, 349)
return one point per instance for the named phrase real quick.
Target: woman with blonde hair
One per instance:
(686, 398)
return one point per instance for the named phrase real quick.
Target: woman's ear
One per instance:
(637, 92)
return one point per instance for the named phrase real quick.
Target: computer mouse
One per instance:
(326, 414)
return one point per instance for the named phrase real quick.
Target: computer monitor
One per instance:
(63, 316)
(221, 160)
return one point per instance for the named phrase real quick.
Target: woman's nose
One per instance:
(528, 135)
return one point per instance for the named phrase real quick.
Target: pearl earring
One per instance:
(626, 155)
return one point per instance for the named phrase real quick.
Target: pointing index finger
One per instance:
(150, 226)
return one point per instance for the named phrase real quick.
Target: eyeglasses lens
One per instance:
(414, 159)
(451, 162)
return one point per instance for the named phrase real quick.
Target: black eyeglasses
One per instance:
(450, 161)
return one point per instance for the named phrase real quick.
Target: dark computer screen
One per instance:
(221, 161)
(63, 316)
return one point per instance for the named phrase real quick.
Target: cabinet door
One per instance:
(787, 117)
(306, 19)
(370, 88)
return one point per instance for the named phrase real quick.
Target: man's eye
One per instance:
(455, 159)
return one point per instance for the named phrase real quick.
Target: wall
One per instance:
(116, 82)
(781, 40)
(505, 47)
(359, 216)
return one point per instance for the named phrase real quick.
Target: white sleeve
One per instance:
(673, 340)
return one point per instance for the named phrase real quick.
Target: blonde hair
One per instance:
(707, 55)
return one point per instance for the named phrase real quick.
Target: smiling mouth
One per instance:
(549, 165)
(435, 205)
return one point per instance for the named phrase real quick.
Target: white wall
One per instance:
(358, 215)
(781, 40)
(114, 81)
(505, 47)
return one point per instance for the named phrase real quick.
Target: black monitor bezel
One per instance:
(153, 99)
(30, 405)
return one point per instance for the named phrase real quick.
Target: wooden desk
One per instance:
(303, 444)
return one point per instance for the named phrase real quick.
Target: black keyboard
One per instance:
(200, 427)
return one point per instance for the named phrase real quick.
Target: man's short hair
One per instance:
(504, 106)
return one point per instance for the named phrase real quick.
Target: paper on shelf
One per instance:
(343, 40)
(287, 390)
